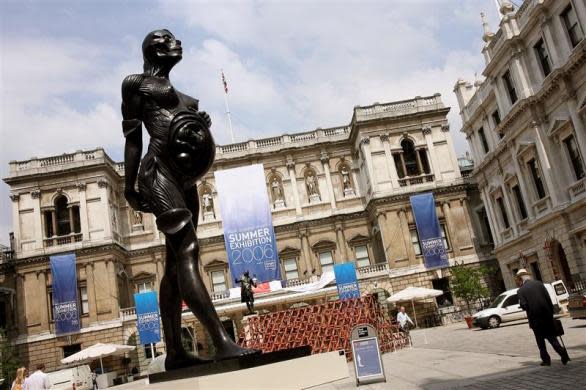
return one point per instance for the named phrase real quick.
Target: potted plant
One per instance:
(467, 284)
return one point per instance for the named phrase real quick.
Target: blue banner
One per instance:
(65, 304)
(428, 228)
(147, 317)
(346, 281)
(248, 226)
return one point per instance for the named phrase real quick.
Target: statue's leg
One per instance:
(170, 299)
(180, 233)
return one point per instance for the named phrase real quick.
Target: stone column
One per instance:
(342, 243)
(21, 321)
(42, 286)
(306, 253)
(293, 178)
(403, 164)
(520, 78)
(552, 47)
(466, 211)
(551, 181)
(522, 184)
(390, 160)
(446, 207)
(54, 222)
(71, 227)
(103, 191)
(580, 9)
(432, 158)
(325, 160)
(419, 165)
(91, 293)
(381, 217)
(569, 94)
(83, 217)
(16, 220)
(113, 285)
(365, 147)
(509, 209)
(491, 217)
(38, 224)
(406, 235)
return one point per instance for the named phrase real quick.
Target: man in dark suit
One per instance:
(535, 300)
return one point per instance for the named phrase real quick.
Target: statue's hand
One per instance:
(136, 200)
(204, 115)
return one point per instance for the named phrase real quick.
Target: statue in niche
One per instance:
(346, 182)
(311, 185)
(277, 193)
(136, 218)
(181, 150)
(208, 204)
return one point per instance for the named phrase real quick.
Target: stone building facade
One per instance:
(338, 194)
(526, 125)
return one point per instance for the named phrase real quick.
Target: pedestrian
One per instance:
(404, 320)
(18, 383)
(38, 380)
(535, 300)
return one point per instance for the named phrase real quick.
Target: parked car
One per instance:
(577, 305)
(506, 307)
(76, 378)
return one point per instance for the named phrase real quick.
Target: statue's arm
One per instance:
(132, 128)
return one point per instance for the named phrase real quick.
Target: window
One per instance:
(410, 158)
(424, 161)
(443, 284)
(144, 286)
(535, 271)
(49, 224)
(542, 57)
(148, 352)
(218, 281)
(510, 87)
(326, 261)
(485, 226)
(290, 268)
(572, 26)
(496, 117)
(69, 350)
(483, 140)
(575, 158)
(519, 199)
(399, 165)
(3, 315)
(504, 216)
(536, 176)
(50, 302)
(445, 236)
(362, 259)
(62, 213)
(83, 300)
(510, 301)
(415, 242)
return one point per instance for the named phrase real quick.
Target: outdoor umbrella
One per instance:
(97, 351)
(414, 294)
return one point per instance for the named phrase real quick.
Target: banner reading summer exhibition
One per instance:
(247, 221)
(346, 281)
(147, 317)
(65, 310)
(428, 228)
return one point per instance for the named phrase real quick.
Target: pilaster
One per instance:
(293, 178)
(83, 217)
(390, 160)
(325, 160)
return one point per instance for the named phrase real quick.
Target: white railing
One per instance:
(541, 205)
(297, 282)
(128, 313)
(268, 142)
(303, 137)
(372, 270)
(64, 159)
(220, 295)
(406, 181)
(63, 240)
(399, 108)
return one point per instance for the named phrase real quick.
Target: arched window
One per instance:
(410, 157)
(62, 213)
(62, 220)
(411, 161)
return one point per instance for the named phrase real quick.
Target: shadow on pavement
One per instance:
(529, 376)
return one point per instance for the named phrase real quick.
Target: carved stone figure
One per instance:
(345, 178)
(208, 203)
(181, 149)
(137, 218)
(246, 293)
(311, 184)
(276, 188)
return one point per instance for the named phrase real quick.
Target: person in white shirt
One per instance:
(403, 318)
(38, 380)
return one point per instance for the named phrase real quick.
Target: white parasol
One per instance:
(97, 351)
(414, 294)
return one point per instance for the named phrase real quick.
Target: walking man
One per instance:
(535, 300)
(38, 380)
(403, 319)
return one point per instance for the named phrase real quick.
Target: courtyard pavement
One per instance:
(455, 357)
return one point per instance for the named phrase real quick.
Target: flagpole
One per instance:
(227, 107)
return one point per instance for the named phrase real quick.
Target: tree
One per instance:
(467, 283)
(9, 361)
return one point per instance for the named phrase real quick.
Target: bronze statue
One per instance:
(246, 293)
(181, 149)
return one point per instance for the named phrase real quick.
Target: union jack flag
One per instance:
(224, 82)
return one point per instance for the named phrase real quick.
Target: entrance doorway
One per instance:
(560, 259)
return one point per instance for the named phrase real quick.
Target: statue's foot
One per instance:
(182, 360)
(232, 350)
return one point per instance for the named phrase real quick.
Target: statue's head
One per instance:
(160, 50)
(246, 273)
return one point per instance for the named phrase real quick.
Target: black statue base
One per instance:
(235, 364)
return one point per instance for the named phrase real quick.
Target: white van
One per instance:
(76, 378)
(506, 307)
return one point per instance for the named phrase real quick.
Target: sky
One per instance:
(291, 66)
